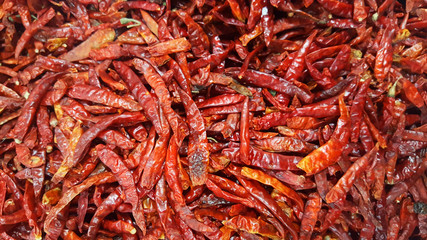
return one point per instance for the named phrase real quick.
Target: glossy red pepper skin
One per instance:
(384, 55)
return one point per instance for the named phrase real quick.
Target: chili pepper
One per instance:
(312, 208)
(32, 29)
(198, 154)
(269, 180)
(384, 55)
(198, 39)
(225, 195)
(162, 93)
(16, 217)
(116, 138)
(356, 110)
(412, 93)
(252, 225)
(94, 94)
(284, 144)
(123, 175)
(294, 71)
(141, 93)
(266, 160)
(255, 13)
(165, 213)
(338, 8)
(244, 132)
(329, 152)
(273, 82)
(154, 165)
(30, 106)
(340, 61)
(345, 182)
(261, 194)
(106, 207)
(97, 39)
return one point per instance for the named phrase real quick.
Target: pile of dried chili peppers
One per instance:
(213, 119)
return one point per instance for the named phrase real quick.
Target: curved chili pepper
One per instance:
(32, 29)
(328, 153)
(269, 180)
(294, 71)
(261, 194)
(141, 94)
(106, 207)
(30, 106)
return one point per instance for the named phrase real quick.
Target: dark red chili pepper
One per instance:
(32, 29)
(356, 110)
(384, 57)
(294, 71)
(156, 82)
(141, 94)
(338, 8)
(30, 107)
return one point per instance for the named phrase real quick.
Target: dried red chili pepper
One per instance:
(198, 154)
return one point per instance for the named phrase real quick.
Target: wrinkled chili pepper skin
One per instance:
(259, 193)
(32, 29)
(384, 56)
(30, 106)
(141, 93)
(328, 153)
(198, 150)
